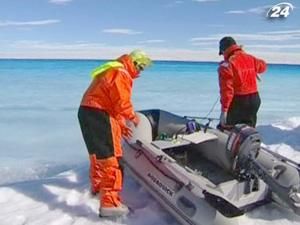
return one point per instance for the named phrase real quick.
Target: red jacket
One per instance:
(111, 92)
(238, 74)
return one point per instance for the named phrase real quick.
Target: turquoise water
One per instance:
(39, 101)
(182, 87)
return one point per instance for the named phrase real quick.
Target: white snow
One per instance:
(63, 198)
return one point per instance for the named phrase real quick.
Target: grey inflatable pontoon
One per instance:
(205, 176)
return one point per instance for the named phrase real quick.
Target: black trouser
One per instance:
(243, 109)
(96, 131)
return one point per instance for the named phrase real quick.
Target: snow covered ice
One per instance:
(64, 199)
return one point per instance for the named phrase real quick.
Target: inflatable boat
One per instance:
(202, 175)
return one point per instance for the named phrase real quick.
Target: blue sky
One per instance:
(166, 29)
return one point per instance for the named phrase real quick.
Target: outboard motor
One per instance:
(243, 144)
(250, 159)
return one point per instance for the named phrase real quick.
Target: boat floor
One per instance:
(200, 165)
(209, 170)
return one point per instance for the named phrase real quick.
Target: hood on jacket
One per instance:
(129, 65)
(229, 51)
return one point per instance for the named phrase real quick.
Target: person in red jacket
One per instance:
(238, 75)
(105, 107)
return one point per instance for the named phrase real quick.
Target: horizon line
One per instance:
(154, 60)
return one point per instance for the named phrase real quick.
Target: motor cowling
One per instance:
(243, 144)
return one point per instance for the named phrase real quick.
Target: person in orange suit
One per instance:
(238, 75)
(105, 107)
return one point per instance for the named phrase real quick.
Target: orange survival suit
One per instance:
(238, 85)
(104, 108)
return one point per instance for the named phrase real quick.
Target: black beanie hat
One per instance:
(225, 43)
